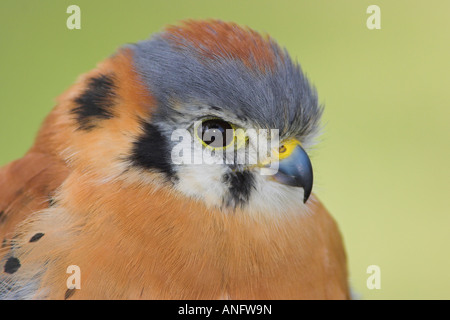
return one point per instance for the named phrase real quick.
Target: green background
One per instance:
(382, 166)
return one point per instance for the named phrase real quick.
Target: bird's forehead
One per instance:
(227, 67)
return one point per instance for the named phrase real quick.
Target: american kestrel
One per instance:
(102, 191)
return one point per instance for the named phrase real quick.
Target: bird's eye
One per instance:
(216, 133)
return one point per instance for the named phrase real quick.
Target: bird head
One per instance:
(217, 112)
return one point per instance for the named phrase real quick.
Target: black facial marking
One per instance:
(12, 265)
(69, 293)
(36, 237)
(240, 186)
(96, 102)
(152, 151)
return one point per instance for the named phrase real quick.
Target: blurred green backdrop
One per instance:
(382, 166)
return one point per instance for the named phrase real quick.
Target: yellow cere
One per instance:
(286, 149)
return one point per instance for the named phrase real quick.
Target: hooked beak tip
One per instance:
(296, 170)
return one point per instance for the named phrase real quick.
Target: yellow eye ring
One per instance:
(238, 135)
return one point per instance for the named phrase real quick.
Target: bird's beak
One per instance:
(294, 167)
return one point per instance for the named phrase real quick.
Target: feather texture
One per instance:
(76, 199)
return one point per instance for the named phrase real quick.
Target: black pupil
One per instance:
(216, 133)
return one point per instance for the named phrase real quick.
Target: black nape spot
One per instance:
(36, 237)
(2, 216)
(12, 265)
(152, 151)
(69, 293)
(240, 184)
(96, 102)
(4, 243)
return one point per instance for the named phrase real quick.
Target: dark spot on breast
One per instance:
(2, 216)
(15, 242)
(36, 237)
(12, 265)
(51, 202)
(7, 287)
(152, 151)
(69, 293)
(96, 102)
(240, 187)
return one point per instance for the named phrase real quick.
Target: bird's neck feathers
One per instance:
(153, 243)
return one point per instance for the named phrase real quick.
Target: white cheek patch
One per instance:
(267, 198)
(202, 182)
(274, 199)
